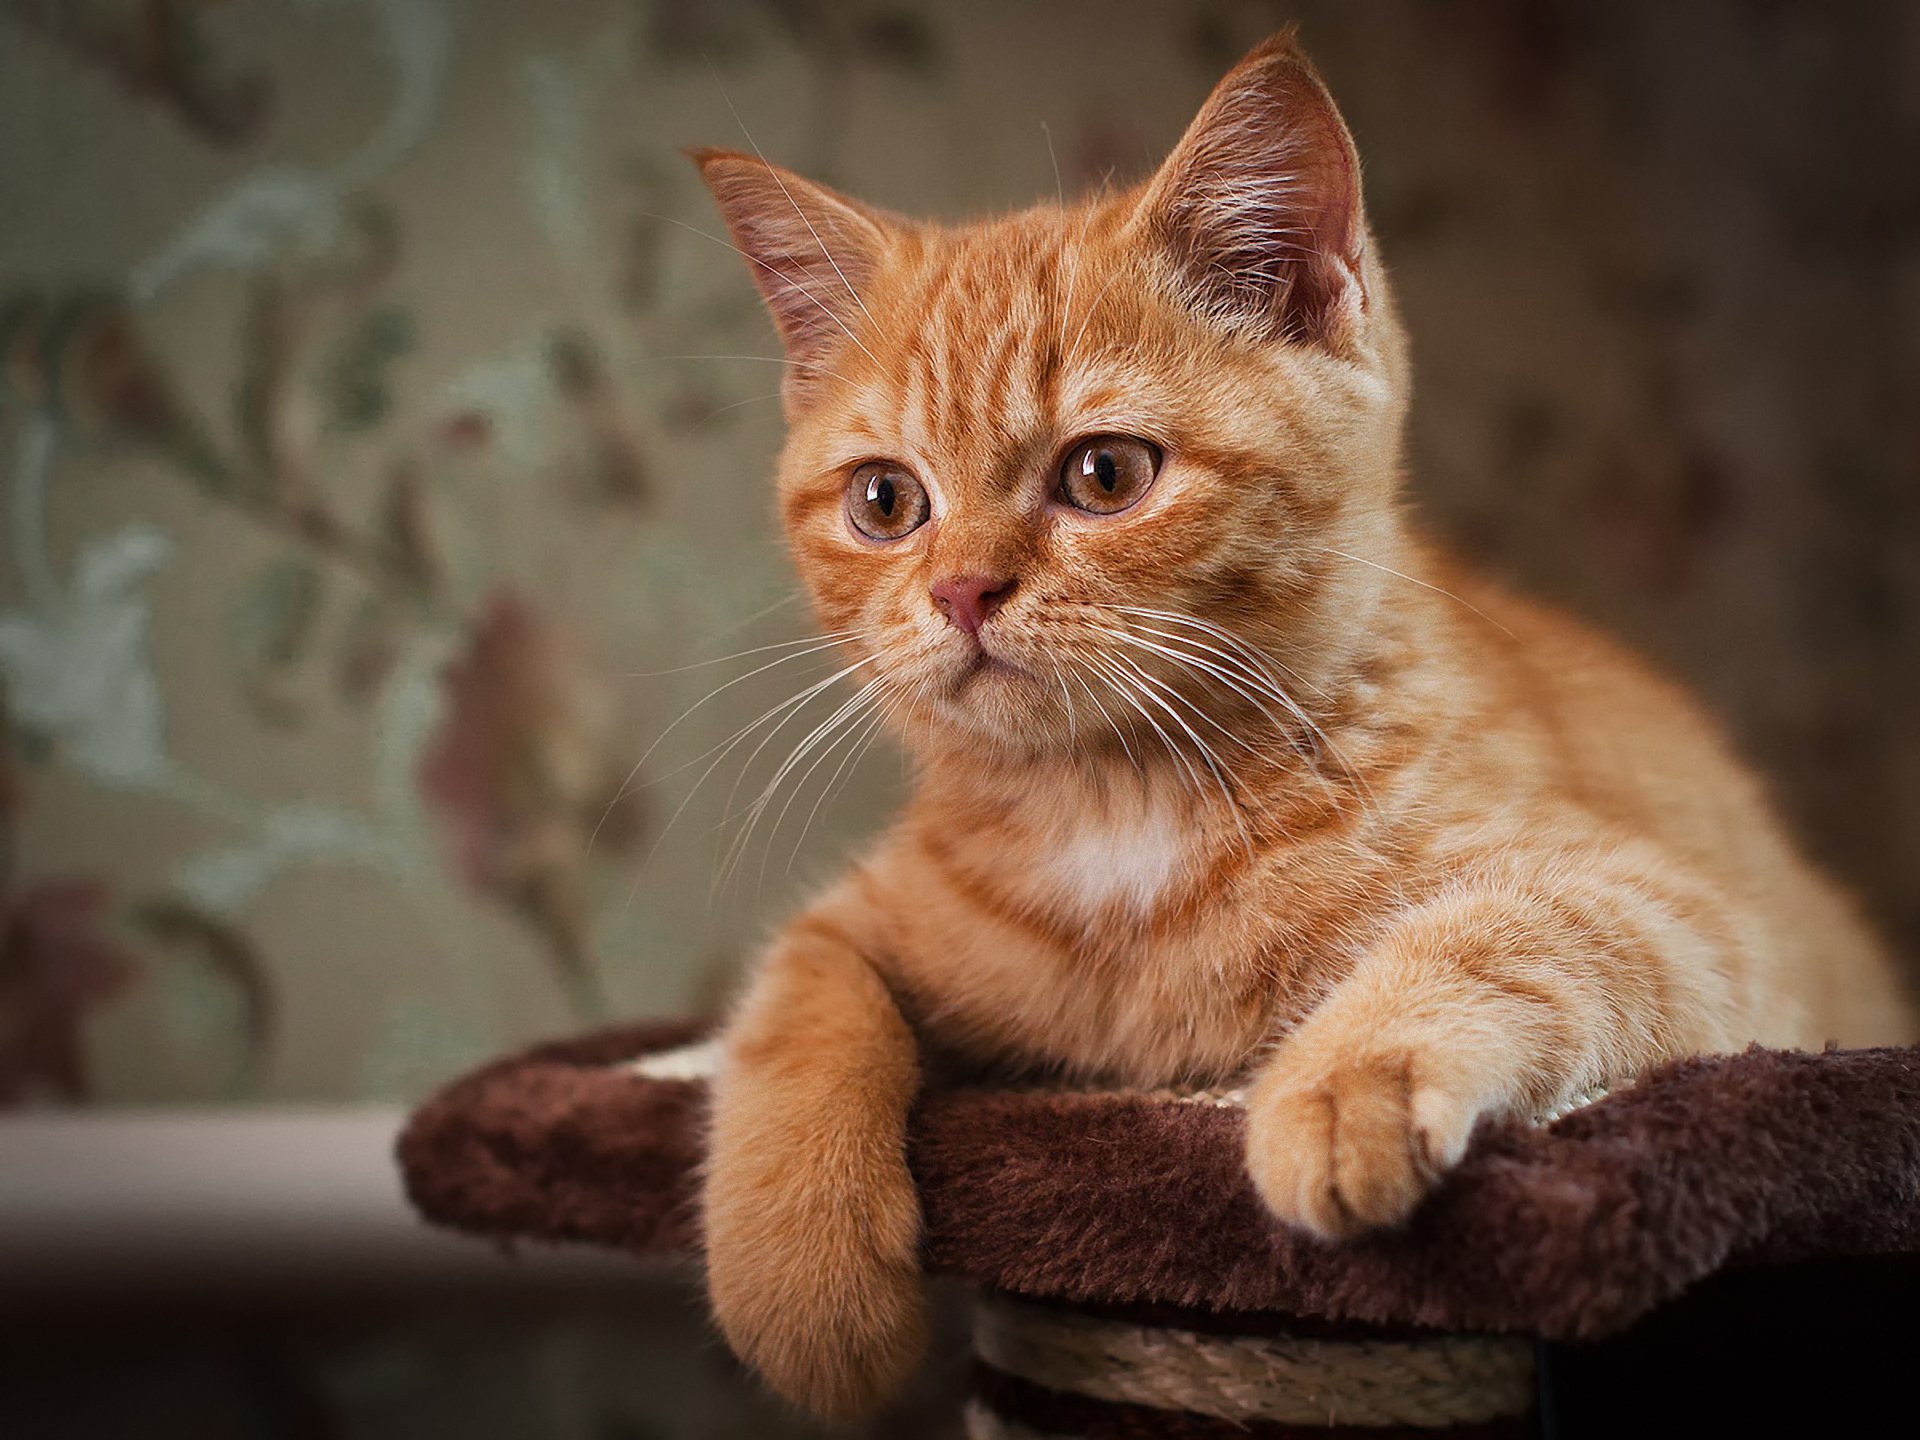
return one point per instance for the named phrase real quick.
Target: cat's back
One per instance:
(1622, 741)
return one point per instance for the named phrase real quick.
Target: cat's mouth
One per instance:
(986, 664)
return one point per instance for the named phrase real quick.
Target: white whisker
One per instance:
(1192, 662)
(1424, 585)
(869, 702)
(1133, 694)
(848, 764)
(1251, 664)
(834, 638)
(775, 173)
(1207, 755)
(786, 360)
(1236, 678)
(1087, 319)
(1073, 276)
(718, 690)
(743, 838)
(814, 645)
(785, 709)
(781, 275)
(1118, 733)
(1066, 696)
(727, 811)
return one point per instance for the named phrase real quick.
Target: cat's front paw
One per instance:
(815, 1277)
(1350, 1146)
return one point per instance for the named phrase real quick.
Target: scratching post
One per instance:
(1054, 1370)
(1128, 1283)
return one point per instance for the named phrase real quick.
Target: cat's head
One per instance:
(1052, 472)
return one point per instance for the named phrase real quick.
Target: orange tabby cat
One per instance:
(1220, 770)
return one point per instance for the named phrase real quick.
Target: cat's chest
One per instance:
(1107, 868)
(1079, 943)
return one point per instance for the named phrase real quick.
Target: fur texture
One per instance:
(1242, 780)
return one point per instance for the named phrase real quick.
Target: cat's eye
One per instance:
(1107, 473)
(885, 502)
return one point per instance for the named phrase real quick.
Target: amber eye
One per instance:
(885, 502)
(1108, 473)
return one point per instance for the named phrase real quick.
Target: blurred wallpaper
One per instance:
(385, 444)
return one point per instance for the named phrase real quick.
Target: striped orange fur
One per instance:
(1241, 781)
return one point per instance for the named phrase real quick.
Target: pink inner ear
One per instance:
(814, 304)
(811, 253)
(1260, 201)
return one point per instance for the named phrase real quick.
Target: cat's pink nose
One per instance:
(967, 600)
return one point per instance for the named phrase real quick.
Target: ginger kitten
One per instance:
(1220, 770)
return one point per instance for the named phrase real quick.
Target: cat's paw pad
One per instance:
(820, 1292)
(1352, 1147)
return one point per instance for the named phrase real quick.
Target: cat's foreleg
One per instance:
(1523, 980)
(812, 1225)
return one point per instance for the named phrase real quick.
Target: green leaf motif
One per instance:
(358, 381)
(278, 613)
(220, 986)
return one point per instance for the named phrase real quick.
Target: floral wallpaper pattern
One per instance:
(384, 438)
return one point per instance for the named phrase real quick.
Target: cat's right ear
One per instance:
(812, 252)
(1259, 204)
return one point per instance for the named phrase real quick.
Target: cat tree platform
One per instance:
(1723, 1240)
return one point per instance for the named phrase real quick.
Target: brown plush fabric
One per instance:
(560, 1143)
(1569, 1232)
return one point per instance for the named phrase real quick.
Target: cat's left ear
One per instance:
(1259, 204)
(812, 251)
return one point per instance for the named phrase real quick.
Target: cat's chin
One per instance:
(985, 668)
(998, 702)
(970, 675)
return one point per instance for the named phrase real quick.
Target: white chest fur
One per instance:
(1104, 862)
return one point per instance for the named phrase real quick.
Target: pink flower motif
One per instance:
(520, 773)
(56, 965)
(465, 431)
(519, 754)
